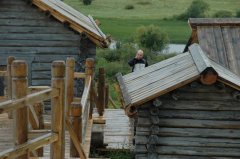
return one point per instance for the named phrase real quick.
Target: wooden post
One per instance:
(101, 91)
(38, 109)
(19, 72)
(58, 112)
(76, 122)
(106, 95)
(70, 65)
(89, 70)
(9, 82)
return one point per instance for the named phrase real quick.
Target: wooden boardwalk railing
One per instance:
(20, 103)
(24, 105)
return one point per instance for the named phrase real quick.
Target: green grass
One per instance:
(121, 23)
(122, 29)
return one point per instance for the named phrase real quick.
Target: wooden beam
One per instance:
(29, 146)
(101, 91)
(28, 100)
(70, 65)
(79, 75)
(75, 140)
(19, 90)
(58, 110)
(76, 122)
(124, 92)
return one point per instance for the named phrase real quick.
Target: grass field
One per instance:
(122, 23)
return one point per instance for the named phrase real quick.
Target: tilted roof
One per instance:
(76, 20)
(158, 79)
(219, 38)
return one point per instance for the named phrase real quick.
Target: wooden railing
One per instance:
(26, 103)
(79, 111)
(19, 101)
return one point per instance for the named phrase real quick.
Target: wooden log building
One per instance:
(41, 31)
(188, 106)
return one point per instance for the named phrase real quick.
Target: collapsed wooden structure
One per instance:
(188, 106)
(41, 31)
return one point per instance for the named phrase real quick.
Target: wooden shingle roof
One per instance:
(158, 79)
(74, 19)
(219, 39)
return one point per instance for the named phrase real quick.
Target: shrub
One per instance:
(238, 14)
(197, 9)
(151, 37)
(87, 2)
(129, 6)
(223, 14)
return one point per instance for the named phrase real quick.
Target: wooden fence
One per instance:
(26, 104)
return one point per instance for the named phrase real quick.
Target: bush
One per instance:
(238, 14)
(197, 9)
(223, 14)
(87, 2)
(129, 6)
(151, 37)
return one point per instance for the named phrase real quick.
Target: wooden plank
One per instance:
(29, 146)
(34, 30)
(231, 57)
(190, 123)
(213, 22)
(189, 141)
(194, 151)
(192, 114)
(199, 57)
(41, 37)
(199, 105)
(28, 100)
(154, 67)
(159, 74)
(168, 84)
(124, 90)
(192, 132)
(75, 140)
(221, 50)
(235, 33)
(36, 43)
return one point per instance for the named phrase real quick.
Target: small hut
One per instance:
(41, 31)
(185, 107)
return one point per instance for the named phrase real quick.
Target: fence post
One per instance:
(9, 82)
(106, 95)
(58, 112)
(70, 65)
(101, 91)
(76, 122)
(19, 72)
(89, 70)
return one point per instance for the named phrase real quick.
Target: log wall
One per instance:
(34, 36)
(194, 122)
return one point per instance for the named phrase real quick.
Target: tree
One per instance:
(87, 2)
(151, 37)
(197, 9)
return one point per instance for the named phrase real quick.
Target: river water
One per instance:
(172, 48)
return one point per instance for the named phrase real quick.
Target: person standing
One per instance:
(138, 62)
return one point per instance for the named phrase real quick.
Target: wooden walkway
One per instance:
(117, 132)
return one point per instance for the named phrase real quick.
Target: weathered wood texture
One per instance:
(194, 121)
(220, 39)
(28, 34)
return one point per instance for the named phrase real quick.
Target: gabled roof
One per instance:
(77, 21)
(158, 79)
(219, 39)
